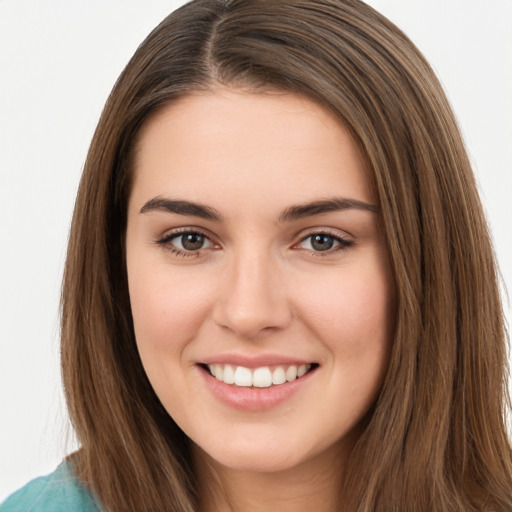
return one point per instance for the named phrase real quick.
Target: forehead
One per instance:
(249, 144)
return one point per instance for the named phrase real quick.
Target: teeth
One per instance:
(262, 377)
(229, 374)
(243, 377)
(302, 369)
(291, 373)
(278, 376)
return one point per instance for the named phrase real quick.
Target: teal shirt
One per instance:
(57, 492)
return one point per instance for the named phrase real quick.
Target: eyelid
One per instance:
(322, 230)
(344, 240)
(170, 233)
(165, 240)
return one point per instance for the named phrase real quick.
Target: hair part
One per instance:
(436, 439)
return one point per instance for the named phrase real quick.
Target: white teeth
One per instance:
(291, 373)
(278, 376)
(302, 370)
(262, 377)
(243, 376)
(229, 374)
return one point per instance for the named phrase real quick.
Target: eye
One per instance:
(323, 242)
(186, 243)
(190, 241)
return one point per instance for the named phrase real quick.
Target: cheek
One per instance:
(166, 307)
(355, 321)
(167, 310)
(353, 316)
(353, 312)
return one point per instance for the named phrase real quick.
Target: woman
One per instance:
(279, 277)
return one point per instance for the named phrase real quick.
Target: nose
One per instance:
(252, 298)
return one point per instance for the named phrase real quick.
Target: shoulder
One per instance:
(58, 492)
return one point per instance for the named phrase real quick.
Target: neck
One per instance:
(314, 485)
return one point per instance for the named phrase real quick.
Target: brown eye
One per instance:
(322, 242)
(192, 241)
(189, 242)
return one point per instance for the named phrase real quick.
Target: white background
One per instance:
(58, 62)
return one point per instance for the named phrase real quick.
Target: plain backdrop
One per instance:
(58, 62)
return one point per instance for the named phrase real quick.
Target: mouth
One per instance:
(261, 377)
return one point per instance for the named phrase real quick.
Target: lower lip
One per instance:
(252, 398)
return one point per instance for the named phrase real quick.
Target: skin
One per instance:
(259, 286)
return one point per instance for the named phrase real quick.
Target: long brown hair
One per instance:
(436, 439)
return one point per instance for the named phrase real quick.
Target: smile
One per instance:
(258, 385)
(262, 377)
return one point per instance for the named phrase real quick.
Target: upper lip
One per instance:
(255, 361)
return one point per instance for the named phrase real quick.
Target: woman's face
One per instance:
(255, 253)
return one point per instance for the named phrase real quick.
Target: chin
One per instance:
(257, 457)
(258, 462)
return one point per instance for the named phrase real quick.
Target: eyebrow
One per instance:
(289, 214)
(182, 208)
(325, 206)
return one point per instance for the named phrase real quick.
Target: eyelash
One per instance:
(165, 241)
(343, 243)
